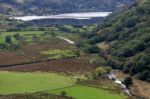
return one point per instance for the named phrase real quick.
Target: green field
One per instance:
(12, 82)
(26, 34)
(85, 92)
(59, 54)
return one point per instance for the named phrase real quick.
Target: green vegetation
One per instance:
(33, 7)
(85, 92)
(127, 35)
(59, 54)
(12, 82)
(98, 61)
(24, 34)
(100, 71)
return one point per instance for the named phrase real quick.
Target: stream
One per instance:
(113, 77)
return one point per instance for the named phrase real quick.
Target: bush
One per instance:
(63, 93)
(108, 69)
(8, 39)
(17, 36)
(145, 75)
(128, 81)
(98, 61)
(92, 49)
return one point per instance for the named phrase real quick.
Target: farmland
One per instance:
(32, 82)
(85, 92)
(45, 65)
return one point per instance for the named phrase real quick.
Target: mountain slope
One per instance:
(38, 7)
(128, 35)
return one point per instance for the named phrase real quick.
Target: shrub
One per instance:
(144, 75)
(8, 39)
(63, 93)
(98, 61)
(92, 49)
(128, 81)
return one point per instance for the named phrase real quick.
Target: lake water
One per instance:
(79, 16)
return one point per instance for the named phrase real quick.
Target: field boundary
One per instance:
(28, 63)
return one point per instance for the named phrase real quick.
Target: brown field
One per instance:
(80, 65)
(27, 53)
(31, 53)
(33, 96)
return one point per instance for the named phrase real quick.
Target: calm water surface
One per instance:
(80, 15)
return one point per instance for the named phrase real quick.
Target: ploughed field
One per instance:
(48, 65)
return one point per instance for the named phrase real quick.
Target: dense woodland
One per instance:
(128, 37)
(41, 7)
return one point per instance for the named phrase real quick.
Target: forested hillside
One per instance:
(128, 37)
(41, 7)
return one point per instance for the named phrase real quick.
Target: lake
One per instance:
(78, 16)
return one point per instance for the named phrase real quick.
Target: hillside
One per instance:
(128, 36)
(41, 7)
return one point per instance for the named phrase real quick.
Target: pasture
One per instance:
(13, 82)
(85, 92)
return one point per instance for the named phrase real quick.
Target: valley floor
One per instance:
(48, 64)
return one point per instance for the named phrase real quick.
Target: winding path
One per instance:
(69, 41)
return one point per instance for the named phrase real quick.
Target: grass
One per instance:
(59, 54)
(12, 82)
(24, 34)
(85, 92)
(28, 35)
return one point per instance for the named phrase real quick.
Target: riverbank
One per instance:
(139, 88)
(116, 80)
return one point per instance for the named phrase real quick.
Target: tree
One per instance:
(144, 75)
(8, 39)
(99, 71)
(128, 81)
(130, 22)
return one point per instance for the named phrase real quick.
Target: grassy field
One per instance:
(29, 34)
(85, 92)
(12, 82)
(26, 34)
(59, 54)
